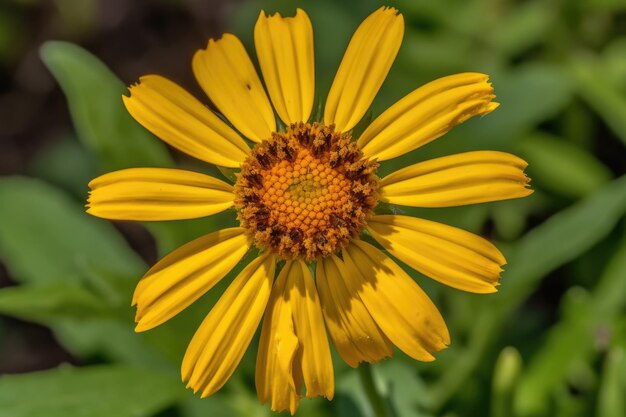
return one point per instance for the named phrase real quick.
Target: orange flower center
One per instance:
(306, 192)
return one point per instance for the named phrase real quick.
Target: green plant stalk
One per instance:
(376, 400)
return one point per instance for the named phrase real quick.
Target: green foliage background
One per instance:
(551, 342)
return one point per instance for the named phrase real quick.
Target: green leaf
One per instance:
(98, 391)
(524, 26)
(506, 374)
(82, 322)
(604, 5)
(509, 217)
(567, 345)
(51, 165)
(562, 167)
(94, 96)
(47, 240)
(597, 90)
(50, 302)
(401, 387)
(611, 397)
(614, 57)
(572, 341)
(561, 239)
(45, 237)
(111, 338)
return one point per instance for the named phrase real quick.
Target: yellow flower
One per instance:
(304, 195)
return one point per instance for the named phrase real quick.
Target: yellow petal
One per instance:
(157, 194)
(294, 348)
(179, 119)
(364, 67)
(455, 180)
(317, 366)
(278, 345)
(427, 113)
(226, 74)
(398, 305)
(356, 336)
(223, 337)
(284, 47)
(452, 256)
(186, 274)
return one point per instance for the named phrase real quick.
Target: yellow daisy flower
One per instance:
(304, 195)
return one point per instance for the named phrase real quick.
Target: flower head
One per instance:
(304, 196)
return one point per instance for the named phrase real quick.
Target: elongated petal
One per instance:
(317, 366)
(452, 256)
(427, 113)
(284, 47)
(223, 337)
(294, 348)
(364, 67)
(179, 119)
(278, 346)
(186, 274)
(226, 74)
(356, 336)
(455, 180)
(157, 194)
(398, 305)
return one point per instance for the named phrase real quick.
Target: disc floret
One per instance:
(305, 192)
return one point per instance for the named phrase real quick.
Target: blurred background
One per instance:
(551, 342)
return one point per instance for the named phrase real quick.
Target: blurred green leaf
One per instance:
(50, 302)
(113, 339)
(561, 167)
(611, 401)
(65, 164)
(98, 391)
(213, 406)
(47, 238)
(615, 61)
(406, 390)
(506, 373)
(509, 217)
(400, 385)
(524, 26)
(605, 5)
(94, 96)
(560, 239)
(429, 53)
(596, 89)
(568, 344)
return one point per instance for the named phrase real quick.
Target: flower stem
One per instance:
(377, 402)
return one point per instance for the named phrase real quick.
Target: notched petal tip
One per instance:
(389, 9)
(364, 67)
(427, 113)
(222, 37)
